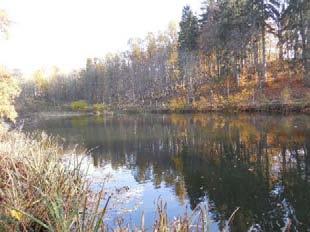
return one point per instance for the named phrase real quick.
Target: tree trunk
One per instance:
(264, 64)
(280, 36)
(305, 37)
(218, 64)
(190, 70)
(255, 56)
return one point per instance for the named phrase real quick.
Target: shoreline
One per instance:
(284, 109)
(278, 108)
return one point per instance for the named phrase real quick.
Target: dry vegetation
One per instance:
(282, 94)
(41, 192)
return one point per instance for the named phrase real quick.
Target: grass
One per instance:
(39, 191)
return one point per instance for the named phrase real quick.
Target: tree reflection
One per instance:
(258, 163)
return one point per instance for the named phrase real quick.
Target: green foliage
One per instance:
(188, 35)
(99, 108)
(79, 105)
(9, 90)
(213, 56)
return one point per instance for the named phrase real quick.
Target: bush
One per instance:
(178, 104)
(286, 96)
(262, 99)
(79, 105)
(9, 90)
(99, 108)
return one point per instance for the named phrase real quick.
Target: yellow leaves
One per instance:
(136, 48)
(40, 80)
(99, 108)
(173, 64)
(16, 215)
(8, 91)
(242, 97)
(286, 96)
(202, 103)
(177, 104)
(79, 105)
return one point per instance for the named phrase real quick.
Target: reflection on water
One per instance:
(256, 162)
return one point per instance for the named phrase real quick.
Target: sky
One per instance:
(65, 33)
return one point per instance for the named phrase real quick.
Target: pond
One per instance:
(260, 163)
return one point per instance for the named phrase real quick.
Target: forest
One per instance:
(84, 150)
(243, 53)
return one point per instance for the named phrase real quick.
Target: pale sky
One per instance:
(65, 32)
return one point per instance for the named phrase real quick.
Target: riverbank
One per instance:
(271, 108)
(297, 107)
(31, 109)
(40, 191)
(282, 96)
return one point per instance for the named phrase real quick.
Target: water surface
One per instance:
(260, 163)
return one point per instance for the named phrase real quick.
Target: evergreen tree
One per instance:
(188, 34)
(262, 11)
(296, 21)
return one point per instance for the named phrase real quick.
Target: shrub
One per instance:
(286, 96)
(262, 99)
(9, 90)
(177, 104)
(79, 105)
(98, 108)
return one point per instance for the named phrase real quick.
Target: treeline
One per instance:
(233, 45)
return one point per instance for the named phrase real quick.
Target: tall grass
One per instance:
(41, 192)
